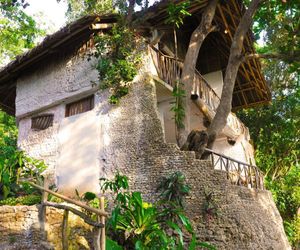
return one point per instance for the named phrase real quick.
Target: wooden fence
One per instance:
(239, 173)
(99, 242)
(169, 70)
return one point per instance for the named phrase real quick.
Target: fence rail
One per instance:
(170, 70)
(98, 226)
(239, 173)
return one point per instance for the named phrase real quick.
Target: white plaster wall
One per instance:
(242, 150)
(77, 166)
(59, 83)
(55, 82)
(215, 80)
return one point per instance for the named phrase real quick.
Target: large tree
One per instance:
(286, 51)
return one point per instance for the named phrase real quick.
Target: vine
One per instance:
(177, 107)
(118, 60)
(177, 13)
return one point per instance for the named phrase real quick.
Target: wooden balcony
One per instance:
(169, 70)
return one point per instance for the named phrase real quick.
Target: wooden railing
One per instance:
(239, 173)
(99, 240)
(170, 70)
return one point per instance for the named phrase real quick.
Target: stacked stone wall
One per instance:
(248, 218)
(20, 228)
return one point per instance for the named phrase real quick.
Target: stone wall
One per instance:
(20, 229)
(248, 218)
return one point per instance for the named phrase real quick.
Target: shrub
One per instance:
(27, 200)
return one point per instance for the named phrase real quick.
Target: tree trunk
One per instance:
(220, 119)
(130, 11)
(187, 78)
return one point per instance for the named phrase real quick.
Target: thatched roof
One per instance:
(72, 34)
(251, 89)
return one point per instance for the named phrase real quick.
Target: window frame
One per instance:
(89, 101)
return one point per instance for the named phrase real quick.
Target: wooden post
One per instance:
(103, 237)
(64, 235)
(97, 233)
(42, 212)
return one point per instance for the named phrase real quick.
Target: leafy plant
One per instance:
(177, 106)
(118, 60)
(16, 166)
(136, 224)
(177, 13)
(173, 189)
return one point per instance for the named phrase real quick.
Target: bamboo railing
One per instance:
(239, 173)
(170, 70)
(98, 226)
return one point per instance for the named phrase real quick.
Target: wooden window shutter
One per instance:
(42, 122)
(80, 106)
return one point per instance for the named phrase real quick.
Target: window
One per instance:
(42, 122)
(80, 106)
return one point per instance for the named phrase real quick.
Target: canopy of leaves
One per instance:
(18, 31)
(78, 8)
(278, 23)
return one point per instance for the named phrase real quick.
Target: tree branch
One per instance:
(291, 57)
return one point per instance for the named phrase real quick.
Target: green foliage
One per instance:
(18, 30)
(26, 200)
(275, 132)
(117, 185)
(292, 230)
(136, 224)
(112, 245)
(79, 8)
(177, 106)
(118, 60)
(13, 168)
(278, 22)
(177, 13)
(173, 189)
(286, 192)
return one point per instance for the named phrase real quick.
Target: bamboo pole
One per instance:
(103, 238)
(65, 243)
(77, 203)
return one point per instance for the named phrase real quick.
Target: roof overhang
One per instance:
(69, 35)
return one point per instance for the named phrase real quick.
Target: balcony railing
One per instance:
(238, 173)
(170, 70)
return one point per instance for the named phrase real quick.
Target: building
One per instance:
(64, 119)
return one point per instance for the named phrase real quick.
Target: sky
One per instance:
(52, 13)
